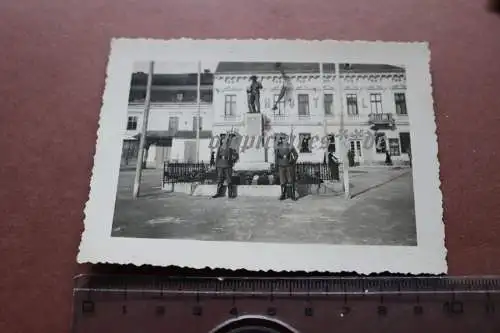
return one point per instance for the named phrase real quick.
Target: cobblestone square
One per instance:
(376, 215)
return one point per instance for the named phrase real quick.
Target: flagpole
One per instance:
(322, 106)
(198, 105)
(322, 97)
(343, 143)
(144, 129)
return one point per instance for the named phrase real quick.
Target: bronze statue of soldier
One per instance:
(286, 157)
(225, 159)
(253, 93)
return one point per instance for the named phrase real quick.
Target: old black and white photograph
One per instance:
(229, 160)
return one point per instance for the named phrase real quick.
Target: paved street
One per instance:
(380, 216)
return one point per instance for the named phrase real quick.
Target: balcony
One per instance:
(280, 116)
(381, 120)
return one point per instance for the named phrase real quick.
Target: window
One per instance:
(195, 123)
(132, 123)
(352, 104)
(281, 106)
(173, 124)
(380, 144)
(305, 142)
(230, 105)
(303, 101)
(376, 103)
(404, 137)
(394, 147)
(206, 96)
(331, 144)
(400, 101)
(356, 147)
(328, 100)
(136, 95)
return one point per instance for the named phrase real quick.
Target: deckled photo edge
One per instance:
(90, 213)
(119, 251)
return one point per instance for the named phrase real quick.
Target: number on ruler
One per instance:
(160, 310)
(490, 307)
(88, 307)
(418, 309)
(233, 311)
(271, 311)
(382, 310)
(345, 311)
(197, 310)
(453, 307)
(308, 312)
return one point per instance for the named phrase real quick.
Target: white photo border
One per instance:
(429, 256)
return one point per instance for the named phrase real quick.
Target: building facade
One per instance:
(173, 118)
(374, 112)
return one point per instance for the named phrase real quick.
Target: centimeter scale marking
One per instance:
(103, 303)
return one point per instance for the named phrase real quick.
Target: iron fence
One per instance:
(185, 172)
(306, 173)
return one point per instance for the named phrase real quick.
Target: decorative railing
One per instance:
(205, 173)
(380, 118)
(280, 116)
(186, 172)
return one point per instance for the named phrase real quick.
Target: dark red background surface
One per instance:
(53, 57)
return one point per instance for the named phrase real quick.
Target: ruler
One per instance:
(153, 304)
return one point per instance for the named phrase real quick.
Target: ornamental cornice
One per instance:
(236, 83)
(234, 78)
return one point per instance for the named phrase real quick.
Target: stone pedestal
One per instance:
(252, 152)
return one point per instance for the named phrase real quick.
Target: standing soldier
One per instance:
(286, 157)
(333, 165)
(224, 161)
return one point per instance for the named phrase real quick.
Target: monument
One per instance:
(251, 139)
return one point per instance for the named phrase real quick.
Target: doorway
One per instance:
(356, 148)
(190, 151)
(404, 138)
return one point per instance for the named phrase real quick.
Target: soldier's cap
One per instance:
(281, 135)
(253, 77)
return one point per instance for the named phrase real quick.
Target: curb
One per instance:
(380, 184)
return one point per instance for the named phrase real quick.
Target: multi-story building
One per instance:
(373, 104)
(171, 132)
(373, 107)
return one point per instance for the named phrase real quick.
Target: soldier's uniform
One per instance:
(333, 165)
(286, 157)
(224, 161)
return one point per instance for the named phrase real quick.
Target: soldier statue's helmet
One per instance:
(253, 77)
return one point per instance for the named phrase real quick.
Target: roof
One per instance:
(297, 67)
(188, 79)
(369, 68)
(176, 134)
(265, 67)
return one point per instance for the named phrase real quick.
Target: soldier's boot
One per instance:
(289, 190)
(230, 191)
(293, 194)
(220, 191)
(283, 192)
